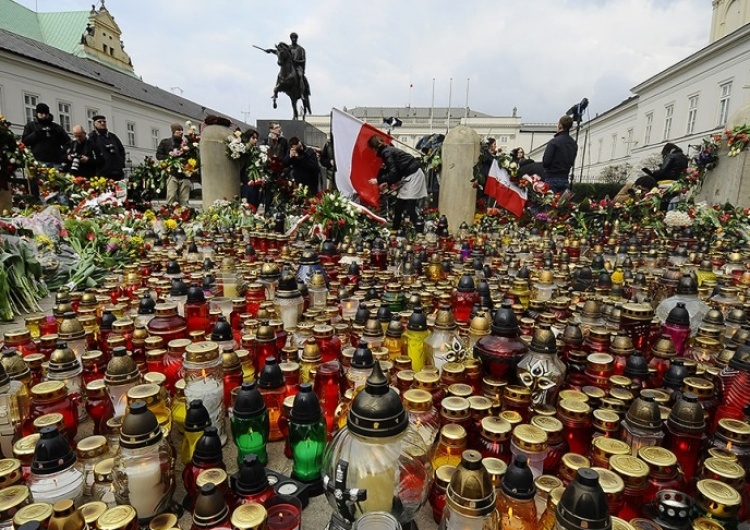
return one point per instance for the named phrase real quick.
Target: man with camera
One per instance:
(81, 156)
(178, 184)
(305, 168)
(110, 153)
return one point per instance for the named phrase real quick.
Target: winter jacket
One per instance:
(78, 149)
(47, 140)
(305, 168)
(559, 156)
(672, 165)
(110, 154)
(397, 164)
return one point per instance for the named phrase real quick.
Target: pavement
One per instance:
(314, 517)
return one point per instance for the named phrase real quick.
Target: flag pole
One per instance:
(466, 108)
(450, 96)
(432, 105)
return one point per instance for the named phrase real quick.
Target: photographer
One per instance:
(46, 138)
(81, 156)
(305, 168)
(110, 154)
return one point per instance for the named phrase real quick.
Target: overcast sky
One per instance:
(540, 56)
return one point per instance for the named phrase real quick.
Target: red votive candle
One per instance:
(284, 513)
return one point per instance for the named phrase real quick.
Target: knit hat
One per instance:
(42, 108)
(98, 117)
(176, 127)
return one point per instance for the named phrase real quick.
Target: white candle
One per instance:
(145, 486)
(211, 392)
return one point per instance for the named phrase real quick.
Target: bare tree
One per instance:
(615, 174)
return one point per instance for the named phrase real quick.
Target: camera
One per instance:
(75, 163)
(47, 131)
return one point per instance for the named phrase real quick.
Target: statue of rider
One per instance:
(298, 60)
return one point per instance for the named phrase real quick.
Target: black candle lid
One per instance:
(679, 315)
(271, 375)
(377, 411)
(147, 305)
(504, 321)
(306, 407)
(251, 477)
(518, 481)
(417, 320)
(362, 357)
(52, 452)
(362, 315)
(249, 402)
(196, 417)
(466, 284)
(179, 288)
(584, 504)
(195, 295)
(140, 428)
(222, 331)
(208, 448)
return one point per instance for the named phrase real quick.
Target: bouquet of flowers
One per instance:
(333, 216)
(11, 153)
(737, 139)
(236, 146)
(145, 179)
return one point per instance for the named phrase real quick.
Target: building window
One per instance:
(504, 139)
(629, 142)
(726, 93)
(647, 133)
(90, 113)
(131, 133)
(63, 110)
(155, 137)
(668, 112)
(692, 114)
(29, 106)
(599, 150)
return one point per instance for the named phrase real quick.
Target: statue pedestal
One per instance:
(458, 198)
(220, 176)
(730, 180)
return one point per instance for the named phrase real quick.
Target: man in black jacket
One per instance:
(559, 156)
(403, 169)
(674, 162)
(80, 159)
(47, 139)
(304, 165)
(110, 153)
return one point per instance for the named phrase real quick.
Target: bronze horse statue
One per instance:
(288, 82)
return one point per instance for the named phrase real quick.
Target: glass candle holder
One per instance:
(531, 442)
(204, 380)
(90, 451)
(250, 424)
(50, 397)
(151, 394)
(122, 375)
(54, 476)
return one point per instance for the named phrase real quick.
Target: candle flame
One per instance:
(510, 512)
(729, 446)
(203, 373)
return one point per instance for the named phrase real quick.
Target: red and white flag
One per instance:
(355, 163)
(508, 195)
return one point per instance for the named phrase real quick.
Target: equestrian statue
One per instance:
(291, 79)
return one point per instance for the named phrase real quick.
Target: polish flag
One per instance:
(508, 195)
(355, 163)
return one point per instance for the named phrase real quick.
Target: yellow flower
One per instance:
(149, 214)
(170, 224)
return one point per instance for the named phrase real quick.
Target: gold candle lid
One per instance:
(426, 380)
(103, 470)
(619, 524)
(511, 416)
(454, 408)
(704, 523)
(620, 381)
(202, 352)
(517, 394)
(164, 521)
(116, 518)
(53, 419)
(661, 461)
(49, 390)
(460, 390)
(636, 311)
(703, 388)
(453, 433)
(604, 448)
(91, 511)
(178, 345)
(572, 394)
(733, 430)
(146, 392)
(11, 499)
(543, 409)
(546, 483)
(606, 420)
(550, 425)
(25, 446)
(10, 472)
(249, 516)
(155, 378)
(162, 310)
(417, 399)
(634, 472)
(718, 499)
(571, 463)
(574, 410)
(480, 405)
(495, 428)
(214, 476)
(38, 511)
(610, 481)
(444, 473)
(599, 362)
(529, 438)
(723, 470)
(644, 524)
(496, 469)
(623, 395)
(594, 393)
(720, 452)
(91, 447)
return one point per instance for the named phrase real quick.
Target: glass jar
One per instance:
(423, 416)
(540, 369)
(142, 470)
(438, 490)
(717, 501)
(13, 499)
(23, 450)
(250, 424)
(20, 340)
(54, 475)
(443, 339)
(40, 512)
(494, 438)
(122, 375)
(12, 393)
(167, 324)
(64, 366)
(151, 394)
(327, 387)
(94, 365)
(179, 406)
(118, 518)
(556, 444)
(664, 472)
(91, 450)
(204, 380)
(103, 489)
(307, 436)
(575, 417)
(634, 473)
(531, 442)
(451, 444)
(49, 397)
(233, 375)
(635, 321)
(328, 342)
